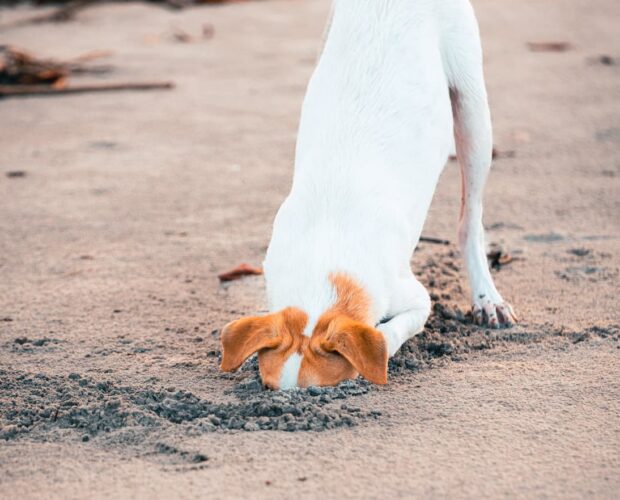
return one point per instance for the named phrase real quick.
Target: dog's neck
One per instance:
(324, 293)
(351, 298)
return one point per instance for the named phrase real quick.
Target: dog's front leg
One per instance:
(411, 308)
(401, 328)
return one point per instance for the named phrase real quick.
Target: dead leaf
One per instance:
(61, 83)
(20, 68)
(240, 271)
(498, 257)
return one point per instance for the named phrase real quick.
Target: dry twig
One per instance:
(28, 90)
(436, 241)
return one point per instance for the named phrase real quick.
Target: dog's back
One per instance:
(376, 118)
(375, 133)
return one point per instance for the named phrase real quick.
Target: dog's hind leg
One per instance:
(473, 137)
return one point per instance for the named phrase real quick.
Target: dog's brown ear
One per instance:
(363, 346)
(245, 336)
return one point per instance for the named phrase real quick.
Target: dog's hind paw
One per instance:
(495, 315)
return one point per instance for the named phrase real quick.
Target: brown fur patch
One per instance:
(351, 299)
(342, 343)
(274, 336)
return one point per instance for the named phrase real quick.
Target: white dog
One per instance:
(397, 83)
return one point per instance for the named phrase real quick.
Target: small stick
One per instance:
(26, 90)
(78, 69)
(436, 241)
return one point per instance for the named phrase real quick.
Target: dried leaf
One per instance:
(498, 257)
(20, 68)
(240, 271)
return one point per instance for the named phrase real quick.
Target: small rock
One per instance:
(198, 458)
(251, 426)
(314, 390)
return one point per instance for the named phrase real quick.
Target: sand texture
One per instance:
(119, 210)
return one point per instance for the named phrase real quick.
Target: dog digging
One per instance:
(36, 404)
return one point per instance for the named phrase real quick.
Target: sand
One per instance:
(131, 203)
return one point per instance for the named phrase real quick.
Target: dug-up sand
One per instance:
(130, 204)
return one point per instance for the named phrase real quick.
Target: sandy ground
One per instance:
(133, 202)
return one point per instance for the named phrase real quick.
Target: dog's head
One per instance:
(342, 344)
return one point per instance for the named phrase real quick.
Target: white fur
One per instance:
(290, 371)
(376, 129)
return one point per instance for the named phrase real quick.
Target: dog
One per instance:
(398, 83)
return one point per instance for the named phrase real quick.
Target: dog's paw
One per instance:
(493, 314)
